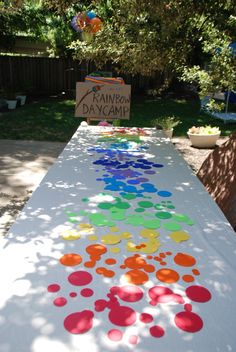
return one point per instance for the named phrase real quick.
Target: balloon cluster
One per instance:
(86, 22)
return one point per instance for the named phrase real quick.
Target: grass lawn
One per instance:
(53, 120)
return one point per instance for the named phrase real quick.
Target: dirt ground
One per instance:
(193, 156)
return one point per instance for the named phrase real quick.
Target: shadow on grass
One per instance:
(53, 120)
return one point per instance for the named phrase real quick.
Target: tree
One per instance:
(35, 20)
(172, 37)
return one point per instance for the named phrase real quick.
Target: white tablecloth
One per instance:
(120, 248)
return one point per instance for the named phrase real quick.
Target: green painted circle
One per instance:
(85, 199)
(152, 224)
(135, 220)
(139, 210)
(118, 214)
(170, 207)
(71, 214)
(181, 218)
(145, 204)
(149, 215)
(158, 207)
(100, 220)
(122, 205)
(129, 196)
(105, 205)
(172, 226)
(163, 215)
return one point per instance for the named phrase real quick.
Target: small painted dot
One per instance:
(86, 292)
(157, 331)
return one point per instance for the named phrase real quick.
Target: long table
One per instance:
(120, 248)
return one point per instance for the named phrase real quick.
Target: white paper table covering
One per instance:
(30, 253)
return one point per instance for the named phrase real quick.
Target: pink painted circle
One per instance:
(79, 322)
(133, 339)
(60, 301)
(54, 288)
(128, 293)
(115, 335)
(122, 316)
(80, 278)
(188, 321)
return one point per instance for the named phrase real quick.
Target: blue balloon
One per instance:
(91, 15)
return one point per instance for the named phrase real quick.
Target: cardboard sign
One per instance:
(104, 101)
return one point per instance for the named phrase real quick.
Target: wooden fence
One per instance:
(40, 75)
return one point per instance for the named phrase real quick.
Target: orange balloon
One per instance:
(96, 24)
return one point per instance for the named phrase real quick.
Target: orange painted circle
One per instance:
(71, 259)
(188, 278)
(136, 277)
(96, 250)
(149, 256)
(196, 272)
(105, 272)
(149, 268)
(135, 262)
(90, 264)
(184, 259)
(110, 261)
(167, 275)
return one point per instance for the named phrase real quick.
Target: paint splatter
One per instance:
(198, 293)
(157, 331)
(115, 335)
(128, 293)
(60, 301)
(79, 322)
(184, 259)
(122, 316)
(71, 259)
(167, 275)
(53, 288)
(80, 278)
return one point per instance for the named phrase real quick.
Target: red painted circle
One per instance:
(80, 278)
(188, 321)
(146, 318)
(198, 293)
(86, 292)
(79, 322)
(60, 301)
(157, 331)
(54, 288)
(122, 316)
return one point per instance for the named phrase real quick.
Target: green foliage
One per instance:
(214, 106)
(204, 130)
(174, 38)
(166, 122)
(185, 39)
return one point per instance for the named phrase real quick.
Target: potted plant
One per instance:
(203, 136)
(11, 99)
(21, 97)
(167, 124)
